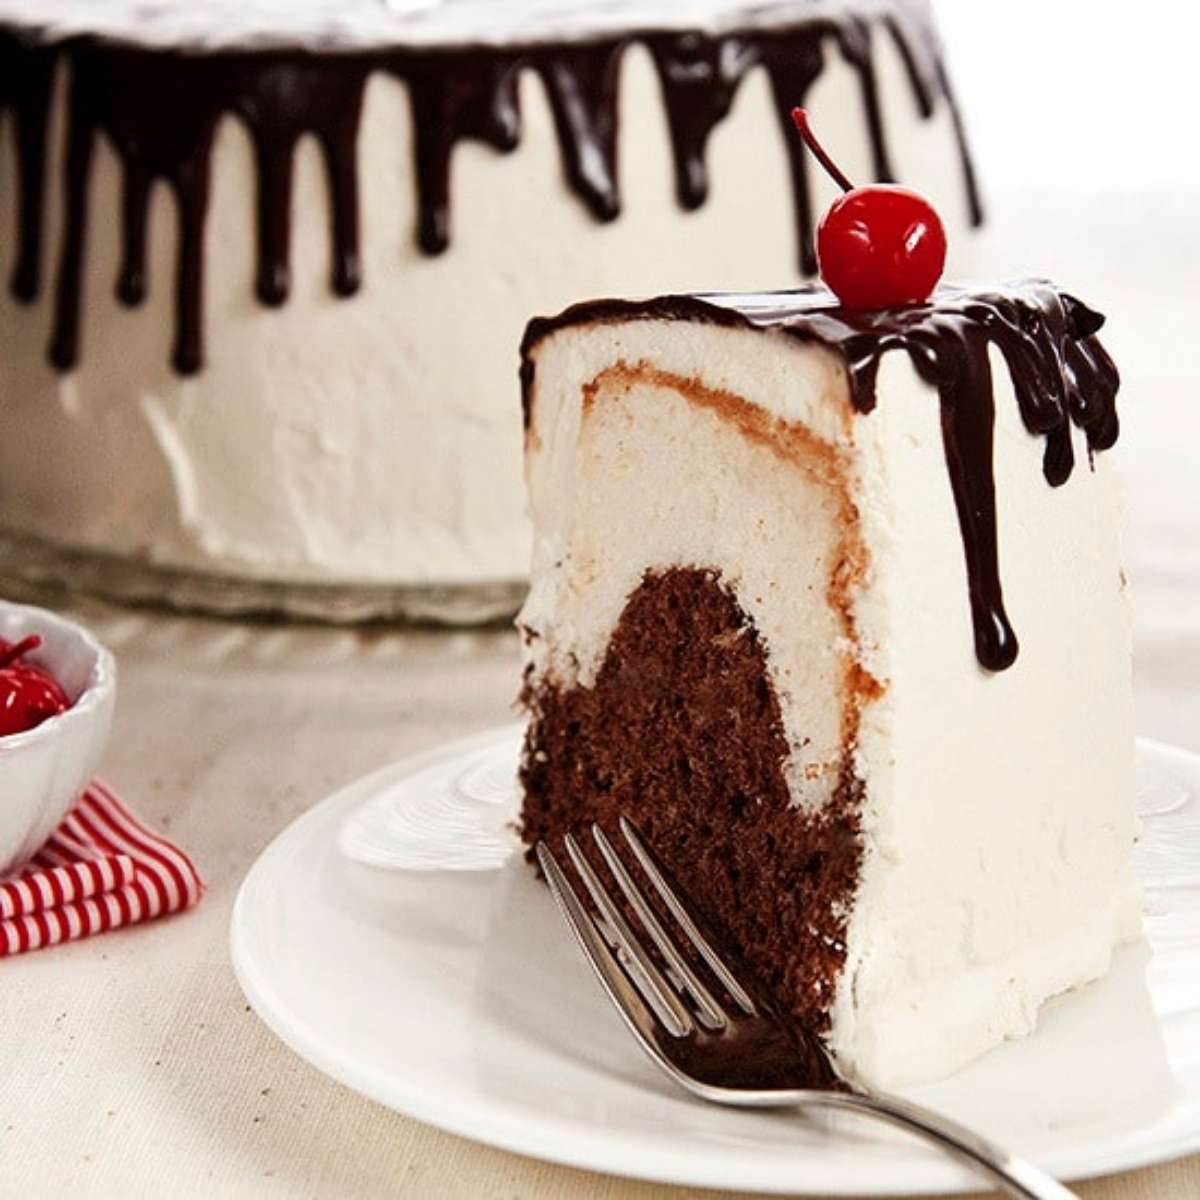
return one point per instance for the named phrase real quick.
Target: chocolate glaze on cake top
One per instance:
(1061, 376)
(160, 106)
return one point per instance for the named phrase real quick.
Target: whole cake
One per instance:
(268, 260)
(830, 603)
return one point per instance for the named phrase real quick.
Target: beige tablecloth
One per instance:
(132, 1063)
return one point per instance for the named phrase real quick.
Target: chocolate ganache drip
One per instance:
(1061, 376)
(26, 75)
(160, 107)
(160, 111)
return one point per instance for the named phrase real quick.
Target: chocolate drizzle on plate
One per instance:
(1061, 375)
(160, 107)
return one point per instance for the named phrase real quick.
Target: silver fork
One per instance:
(749, 1057)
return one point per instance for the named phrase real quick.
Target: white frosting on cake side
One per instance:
(377, 439)
(998, 819)
(322, 24)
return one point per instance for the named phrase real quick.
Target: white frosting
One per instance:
(999, 818)
(1000, 815)
(357, 23)
(378, 439)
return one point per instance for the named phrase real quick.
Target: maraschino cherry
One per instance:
(28, 695)
(877, 246)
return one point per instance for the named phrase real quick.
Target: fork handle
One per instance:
(1014, 1176)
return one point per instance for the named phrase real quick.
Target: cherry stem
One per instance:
(804, 127)
(18, 650)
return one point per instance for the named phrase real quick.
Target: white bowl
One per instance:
(44, 770)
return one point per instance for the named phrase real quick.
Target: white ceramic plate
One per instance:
(451, 991)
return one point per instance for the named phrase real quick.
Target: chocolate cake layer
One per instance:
(682, 733)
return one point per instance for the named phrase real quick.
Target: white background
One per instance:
(1085, 121)
(1079, 95)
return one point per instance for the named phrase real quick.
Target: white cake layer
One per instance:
(377, 439)
(998, 821)
(650, 479)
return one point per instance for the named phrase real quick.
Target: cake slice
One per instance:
(831, 604)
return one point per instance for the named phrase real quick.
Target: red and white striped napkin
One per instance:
(101, 869)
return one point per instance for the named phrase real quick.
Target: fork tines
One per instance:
(674, 1014)
(644, 993)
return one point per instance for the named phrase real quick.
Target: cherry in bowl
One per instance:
(29, 694)
(44, 769)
